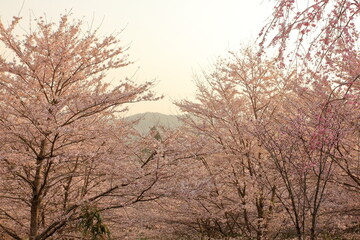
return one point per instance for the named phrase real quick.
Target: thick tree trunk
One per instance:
(34, 221)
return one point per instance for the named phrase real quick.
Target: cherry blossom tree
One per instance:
(239, 197)
(298, 143)
(320, 40)
(63, 146)
(268, 140)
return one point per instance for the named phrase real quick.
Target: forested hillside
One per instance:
(149, 120)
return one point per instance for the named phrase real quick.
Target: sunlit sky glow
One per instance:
(170, 40)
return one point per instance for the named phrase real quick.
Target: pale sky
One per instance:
(169, 40)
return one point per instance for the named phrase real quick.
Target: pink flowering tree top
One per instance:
(316, 28)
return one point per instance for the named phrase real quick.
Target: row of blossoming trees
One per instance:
(270, 148)
(274, 157)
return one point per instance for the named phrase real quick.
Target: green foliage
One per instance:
(156, 133)
(92, 225)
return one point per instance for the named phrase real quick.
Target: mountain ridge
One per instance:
(148, 120)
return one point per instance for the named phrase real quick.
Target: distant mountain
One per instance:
(150, 119)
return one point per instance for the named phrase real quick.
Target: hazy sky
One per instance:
(169, 40)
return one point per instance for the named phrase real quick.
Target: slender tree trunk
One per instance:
(36, 192)
(260, 217)
(313, 227)
(298, 232)
(35, 202)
